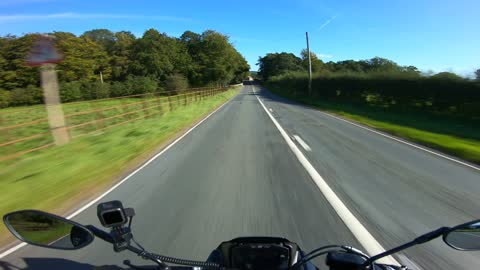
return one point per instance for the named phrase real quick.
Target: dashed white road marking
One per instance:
(302, 143)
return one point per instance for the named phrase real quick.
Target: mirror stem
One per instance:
(100, 234)
(419, 240)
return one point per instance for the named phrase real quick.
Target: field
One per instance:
(24, 129)
(57, 178)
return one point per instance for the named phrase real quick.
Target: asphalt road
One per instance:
(234, 175)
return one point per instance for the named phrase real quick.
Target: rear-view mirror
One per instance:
(47, 230)
(464, 237)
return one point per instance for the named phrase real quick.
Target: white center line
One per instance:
(366, 239)
(302, 143)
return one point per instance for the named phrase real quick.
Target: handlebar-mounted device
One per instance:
(113, 215)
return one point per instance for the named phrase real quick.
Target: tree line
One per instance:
(274, 64)
(128, 65)
(375, 82)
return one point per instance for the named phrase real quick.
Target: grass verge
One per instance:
(458, 137)
(56, 179)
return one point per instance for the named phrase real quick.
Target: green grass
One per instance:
(11, 116)
(53, 178)
(453, 135)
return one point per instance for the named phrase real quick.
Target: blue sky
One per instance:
(430, 34)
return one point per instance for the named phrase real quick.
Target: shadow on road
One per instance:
(54, 264)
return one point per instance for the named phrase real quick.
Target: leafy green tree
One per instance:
(102, 37)
(121, 54)
(214, 59)
(411, 70)
(379, 64)
(446, 76)
(129, 65)
(317, 64)
(274, 64)
(14, 72)
(84, 58)
(159, 56)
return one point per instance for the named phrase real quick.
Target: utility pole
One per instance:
(309, 67)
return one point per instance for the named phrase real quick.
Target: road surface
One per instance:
(235, 175)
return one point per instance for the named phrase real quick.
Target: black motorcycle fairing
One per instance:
(252, 253)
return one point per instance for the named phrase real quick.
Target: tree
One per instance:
(158, 55)
(14, 72)
(446, 76)
(214, 59)
(103, 37)
(129, 65)
(379, 64)
(411, 70)
(477, 74)
(84, 59)
(121, 54)
(348, 66)
(278, 63)
(317, 64)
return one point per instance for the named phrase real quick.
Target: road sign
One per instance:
(44, 52)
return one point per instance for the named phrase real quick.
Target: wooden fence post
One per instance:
(99, 120)
(169, 102)
(159, 104)
(6, 133)
(145, 107)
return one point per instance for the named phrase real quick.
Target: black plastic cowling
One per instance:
(345, 261)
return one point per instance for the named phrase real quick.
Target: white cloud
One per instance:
(72, 15)
(327, 22)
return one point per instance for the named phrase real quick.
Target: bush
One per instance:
(176, 82)
(94, 90)
(4, 98)
(118, 89)
(102, 90)
(70, 91)
(27, 96)
(435, 94)
(141, 85)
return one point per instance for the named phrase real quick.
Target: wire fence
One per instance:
(26, 130)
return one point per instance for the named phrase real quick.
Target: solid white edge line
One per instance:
(371, 245)
(402, 141)
(302, 143)
(83, 208)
